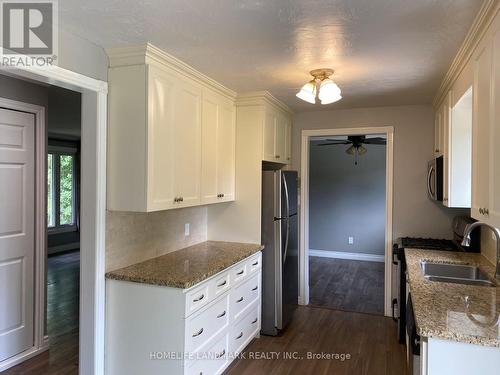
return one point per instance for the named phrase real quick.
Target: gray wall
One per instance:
(414, 214)
(346, 199)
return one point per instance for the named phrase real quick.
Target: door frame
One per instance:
(93, 205)
(304, 206)
(40, 340)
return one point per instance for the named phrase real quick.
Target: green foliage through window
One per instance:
(60, 189)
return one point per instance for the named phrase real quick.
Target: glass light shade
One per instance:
(329, 92)
(361, 150)
(308, 92)
(351, 150)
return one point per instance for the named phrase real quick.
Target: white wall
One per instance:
(81, 56)
(347, 199)
(414, 213)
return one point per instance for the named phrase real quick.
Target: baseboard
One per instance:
(345, 255)
(21, 357)
(65, 247)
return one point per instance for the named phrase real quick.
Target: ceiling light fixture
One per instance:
(327, 91)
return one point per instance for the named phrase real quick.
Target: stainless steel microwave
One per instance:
(435, 179)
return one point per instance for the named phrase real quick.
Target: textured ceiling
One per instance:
(384, 52)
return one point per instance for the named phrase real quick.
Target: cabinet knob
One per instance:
(277, 156)
(176, 200)
(481, 211)
(486, 211)
(436, 150)
(181, 199)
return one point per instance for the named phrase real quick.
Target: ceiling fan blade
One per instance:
(375, 141)
(335, 143)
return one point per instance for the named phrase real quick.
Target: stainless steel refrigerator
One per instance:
(280, 276)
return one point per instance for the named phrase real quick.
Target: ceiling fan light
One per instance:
(351, 150)
(329, 92)
(308, 92)
(362, 150)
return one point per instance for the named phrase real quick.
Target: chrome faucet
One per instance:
(466, 241)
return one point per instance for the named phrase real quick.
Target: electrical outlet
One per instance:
(186, 229)
(351, 240)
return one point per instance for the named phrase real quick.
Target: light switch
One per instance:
(186, 229)
(351, 240)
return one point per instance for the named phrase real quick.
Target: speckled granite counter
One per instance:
(458, 312)
(186, 267)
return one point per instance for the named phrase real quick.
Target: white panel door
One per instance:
(226, 139)
(17, 214)
(187, 143)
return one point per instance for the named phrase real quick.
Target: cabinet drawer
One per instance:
(244, 330)
(220, 284)
(197, 298)
(205, 325)
(212, 361)
(255, 263)
(239, 272)
(243, 295)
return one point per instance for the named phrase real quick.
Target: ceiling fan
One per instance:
(356, 142)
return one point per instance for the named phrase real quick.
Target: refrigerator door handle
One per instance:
(287, 201)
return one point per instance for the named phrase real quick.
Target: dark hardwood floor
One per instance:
(370, 340)
(63, 290)
(348, 285)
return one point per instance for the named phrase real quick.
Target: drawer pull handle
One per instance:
(199, 298)
(241, 272)
(255, 321)
(198, 333)
(221, 315)
(222, 284)
(239, 336)
(220, 354)
(254, 289)
(240, 300)
(254, 264)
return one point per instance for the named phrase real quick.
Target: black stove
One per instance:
(429, 244)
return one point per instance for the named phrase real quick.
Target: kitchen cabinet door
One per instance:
(481, 129)
(226, 139)
(438, 126)
(160, 136)
(445, 110)
(288, 142)
(494, 206)
(187, 143)
(210, 122)
(269, 135)
(280, 139)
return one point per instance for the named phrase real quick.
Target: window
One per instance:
(61, 188)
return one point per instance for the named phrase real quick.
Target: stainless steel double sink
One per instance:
(455, 273)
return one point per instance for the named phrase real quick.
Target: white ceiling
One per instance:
(384, 52)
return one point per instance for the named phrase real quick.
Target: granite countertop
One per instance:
(458, 312)
(186, 267)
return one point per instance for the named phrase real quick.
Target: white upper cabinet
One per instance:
(170, 133)
(277, 136)
(218, 145)
(486, 128)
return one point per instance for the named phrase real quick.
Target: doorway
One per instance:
(347, 222)
(93, 195)
(346, 227)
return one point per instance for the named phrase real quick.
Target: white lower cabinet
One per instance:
(153, 329)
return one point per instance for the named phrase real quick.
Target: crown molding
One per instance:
(148, 53)
(259, 98)
(483, 19)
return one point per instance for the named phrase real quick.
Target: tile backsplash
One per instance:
(133, 237)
